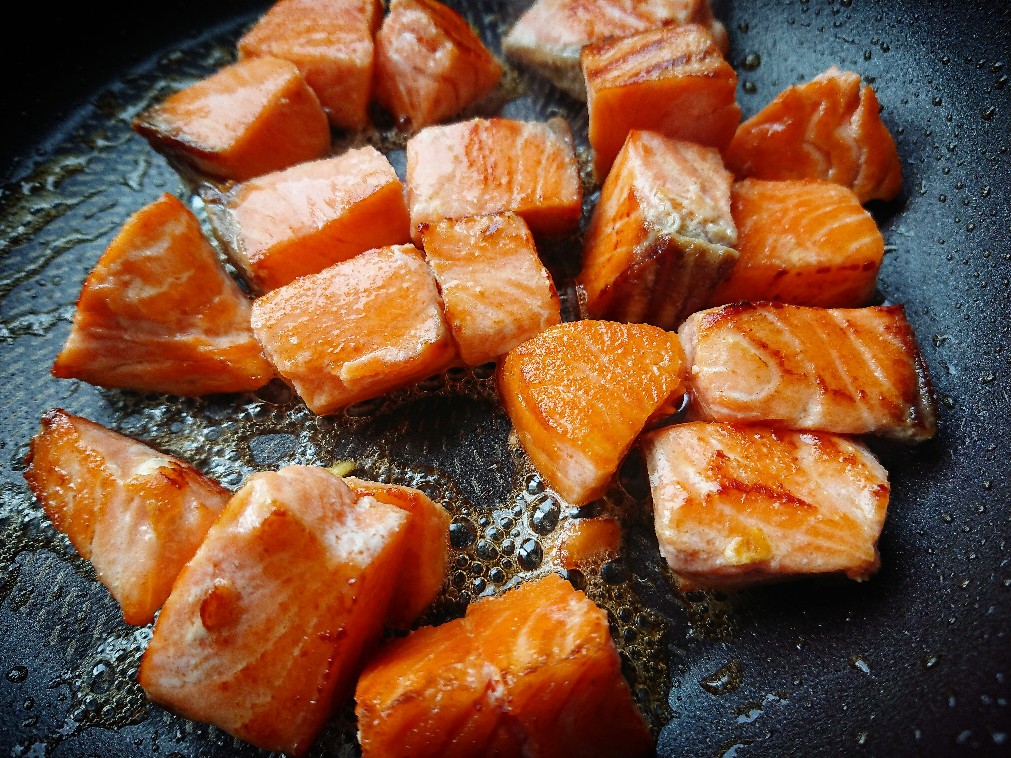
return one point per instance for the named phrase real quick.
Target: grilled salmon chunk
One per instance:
(158, 313)
(738, 504)
(851, 371)
(138, 515)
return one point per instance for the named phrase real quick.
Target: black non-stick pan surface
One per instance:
(915, 661)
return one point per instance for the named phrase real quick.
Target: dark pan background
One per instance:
(915, 662)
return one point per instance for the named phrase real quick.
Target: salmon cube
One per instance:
(829, 128)
(673, 81)
(579, 393)
(356, 330)
(662, 235)
(550, 35)
(497, 292)
(426, 550)
(159, 314)
(331, 43)
(299, 221)
(738, 504)
(588, 542)
(487, 166)
(850, 371)
(533, 672)
(429, 63)
(245, 120)
(802, 241)
(138, 515)
(265, 629)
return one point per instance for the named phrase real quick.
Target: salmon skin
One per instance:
(549, 36)
(290, 223)
(828, 128)
(673, 81)
(662, 235)
(244, 120)
(137, 514)
(331, 43)
(430, 64)
(158, 313)
(851, 371)
(265, 629)
(579, 393)
(532, 672)
(802, 241)
(738, 504)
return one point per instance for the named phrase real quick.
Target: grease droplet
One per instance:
(724, 680)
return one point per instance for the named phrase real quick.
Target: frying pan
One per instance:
(914, 662)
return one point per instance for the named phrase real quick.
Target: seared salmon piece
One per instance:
(486, 166)
(265, 628)
(828, 128)
(662, 235)
(588, 541)
(430, 64)
(737, 504)
(247, 119)
(497, 292)
(850, 371)
(426, 549)
(549, 36)
(299, 221)
(802, 241)
(331, 43)
(137, 514)
(356, 330)
(673, 81)
(158, 313)
(532, 672)
(579, 393)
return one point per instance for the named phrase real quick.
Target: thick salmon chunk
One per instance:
(735, 505)
(356, 330)
(551, 34)
(802, 241)
(266, 626)
(159, 314)
(497, 292)
(673, 80)
(430, 64)
(851, 371)
(138, 515)
(486, 166)
(331, 43)
(662, 235)
(828, 128)
(245, 120)
(578, 394)
(290, 223)
(533, 672)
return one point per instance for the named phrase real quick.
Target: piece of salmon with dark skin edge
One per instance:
(549, 36)
(556, 387)
(531, 672)
(430, 64)
(737, 504)
(158, 313)
(244, 120)
(849, 371)
(290, 223)
(829, 128)
(137, 514)
(802, 241)
(673, 81)
(266, 627)
(487, 166)
(331, 43)
(496, 290)
(662, 235)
